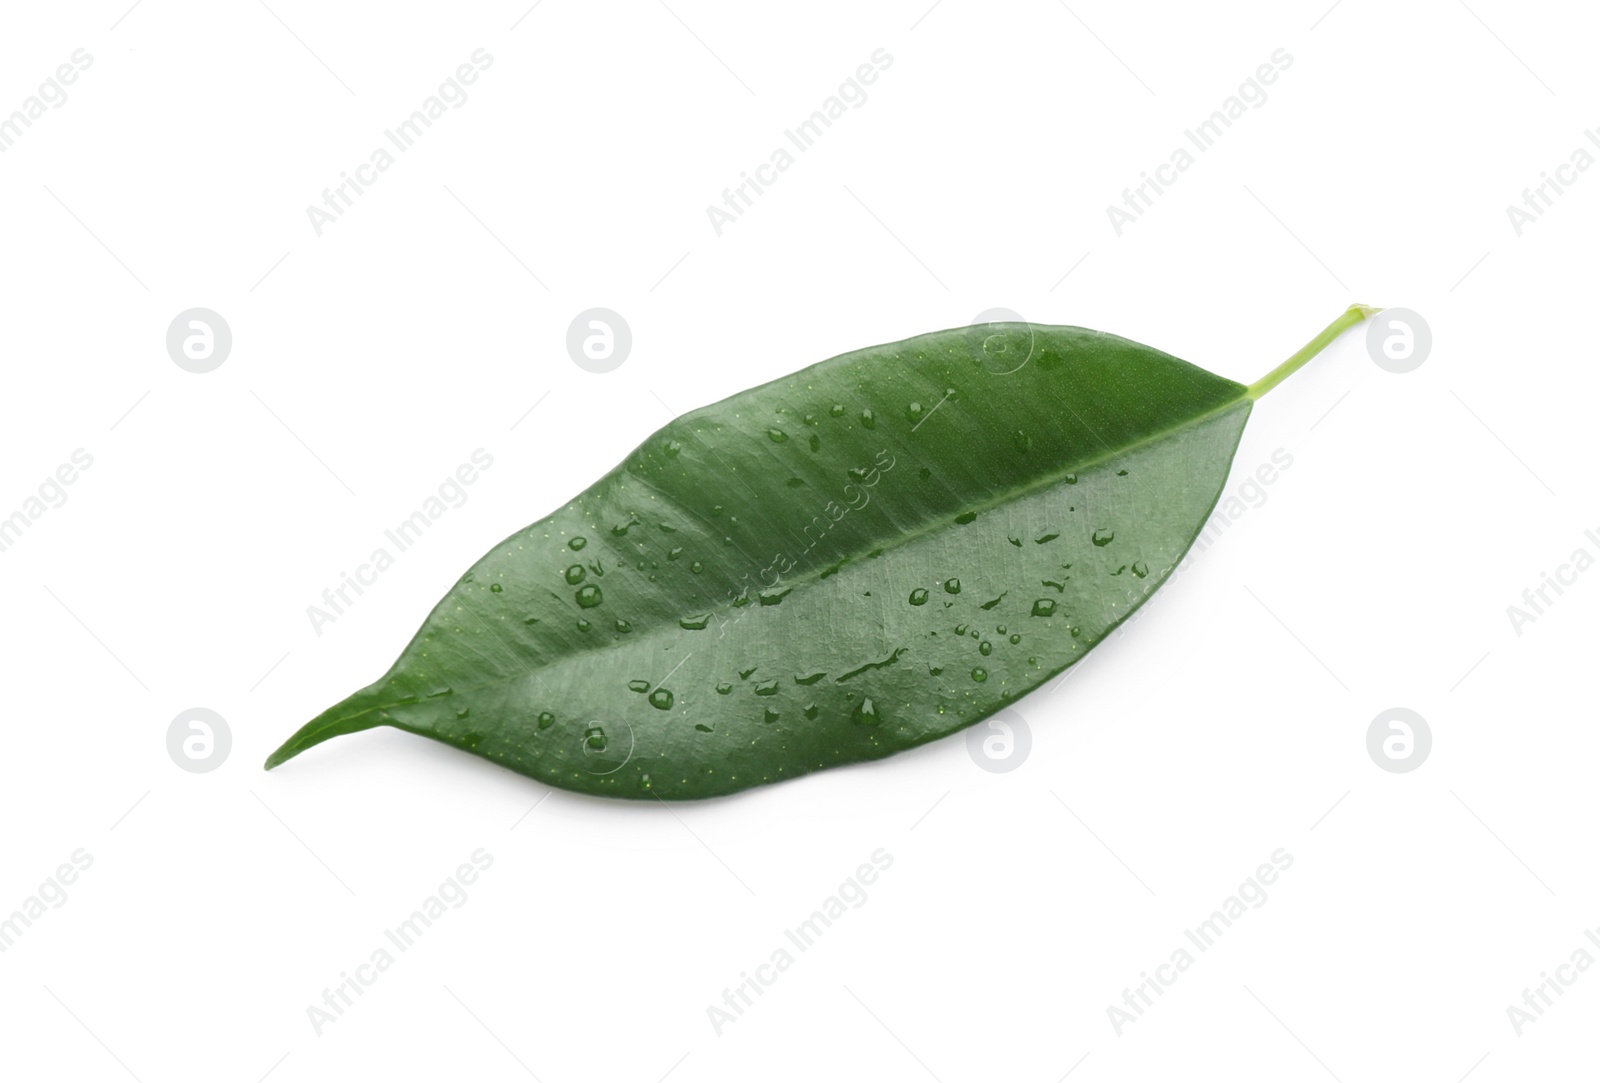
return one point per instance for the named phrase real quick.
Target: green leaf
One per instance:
(875, 552)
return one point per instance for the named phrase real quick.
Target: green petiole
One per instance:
(1352, 316)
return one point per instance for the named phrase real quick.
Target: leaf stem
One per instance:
(1352, 316)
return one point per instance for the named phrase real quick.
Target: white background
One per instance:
(370, 361)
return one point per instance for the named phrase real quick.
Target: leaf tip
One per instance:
(352, 716)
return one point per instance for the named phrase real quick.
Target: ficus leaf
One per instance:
(875, 552)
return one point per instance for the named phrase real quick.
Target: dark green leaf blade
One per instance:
(867, 555)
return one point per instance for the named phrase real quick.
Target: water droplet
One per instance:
(702, 727)
(495, 588)
(966, 517)
(1071, 479)
(867, 713)
(1016, 639)
(674, 554)
(770, 716)
(836, 410)
(621, 529)
(594, 739)
(697, 567)
(1122, 473)
(809, 678)
(694, 624)
(1141, 569)
(1044, 607)
(583, 625)
(442, 690)
(644, 781)
(661, 699)
(914, 412)
(767, 688)
(961, 629)
(934, 671)
(672, 447)
(1000, 629)
(777, 436)
(952, 586)
(589, 596)
(546, 720)
(577, 543)
(639, 686)
(985, 648)
(869, 419)
(624, 627)
(1103, 538)
(576, 574)
(815, 443)
(919, 597)
(980, 674)
(463, 712)
(811, 710)
(724, 688)
(1052, 536)
(1023, 441)
(773, 597)
(744, 674)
